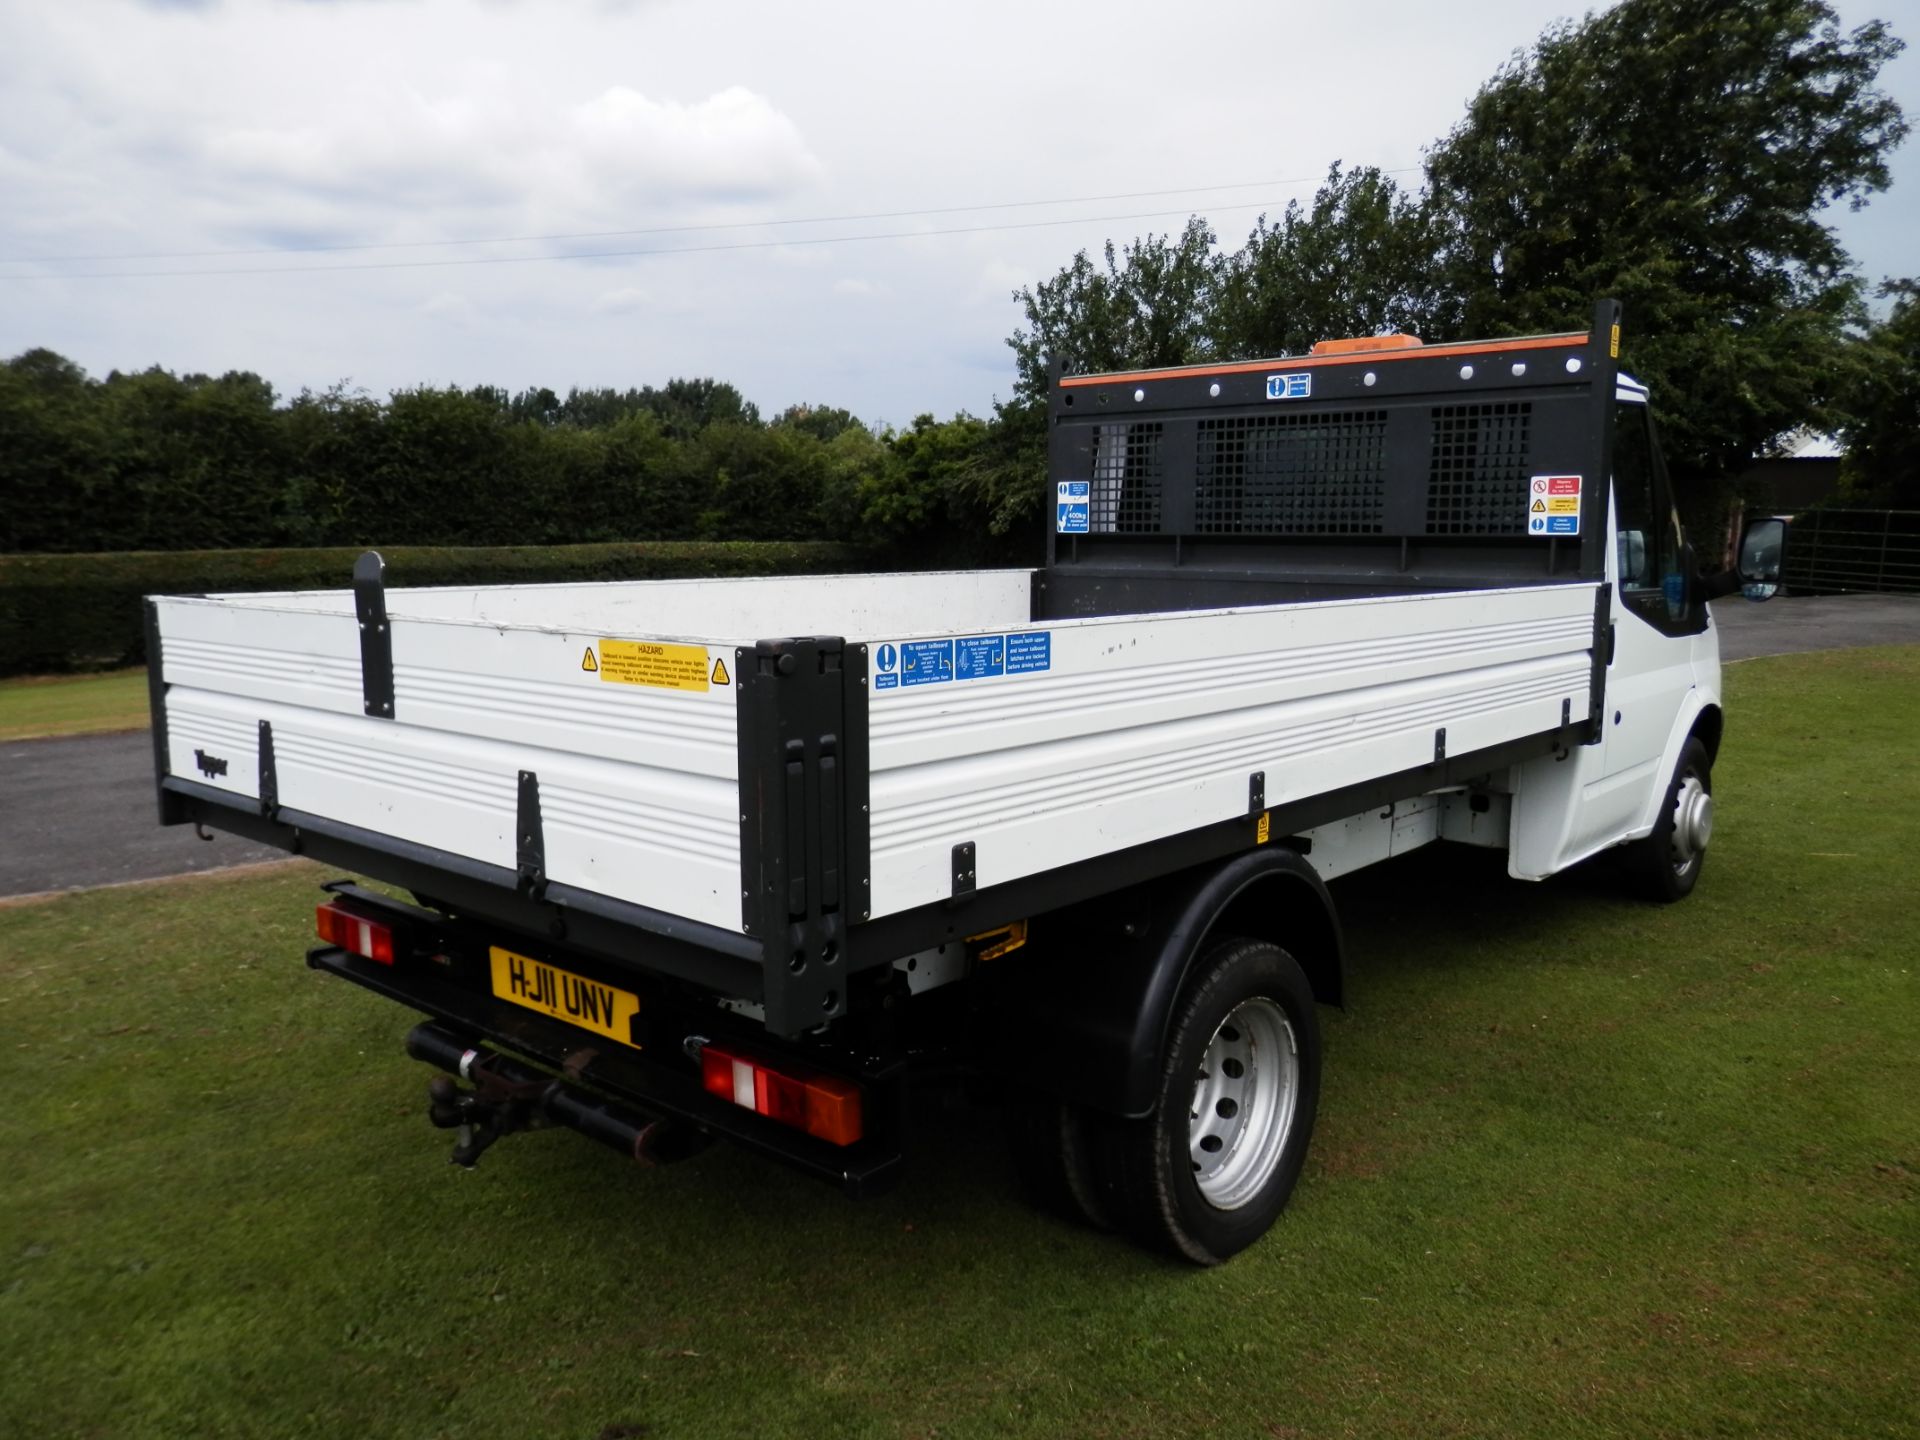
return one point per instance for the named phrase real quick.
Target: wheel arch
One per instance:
(1707, 729)
(1098, 998)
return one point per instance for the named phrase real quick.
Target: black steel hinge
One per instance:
(269, 773)
(963, 869)
(529, 840)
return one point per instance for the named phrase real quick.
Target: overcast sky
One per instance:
(133, 129)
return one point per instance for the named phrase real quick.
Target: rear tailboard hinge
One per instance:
(529, 840)
(964, 881)
(269, 775)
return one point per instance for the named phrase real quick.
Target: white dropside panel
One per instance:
(1047, 748)
(637, 781)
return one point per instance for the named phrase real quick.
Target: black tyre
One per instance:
(1210, 1169)
(1049, 1139)
(1666, 864)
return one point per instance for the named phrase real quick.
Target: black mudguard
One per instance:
(1083, 1013)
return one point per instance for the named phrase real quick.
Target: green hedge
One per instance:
(76, 612)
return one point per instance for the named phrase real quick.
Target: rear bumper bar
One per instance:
(629, 1078)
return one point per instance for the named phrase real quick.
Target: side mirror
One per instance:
(1761, 544)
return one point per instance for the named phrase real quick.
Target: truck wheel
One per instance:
(1210, 1169)
(1050, 1143)
(1667, 863)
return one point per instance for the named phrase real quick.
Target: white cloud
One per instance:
(454, 309)
(555, 167)
(620, 302)
(855, 289)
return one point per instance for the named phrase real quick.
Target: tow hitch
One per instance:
(508, 1096)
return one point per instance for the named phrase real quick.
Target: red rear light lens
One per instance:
(824, 1106)
(369, 939)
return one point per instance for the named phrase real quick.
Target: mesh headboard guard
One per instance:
(1408, 459)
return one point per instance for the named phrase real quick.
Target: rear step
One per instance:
(508, 1096)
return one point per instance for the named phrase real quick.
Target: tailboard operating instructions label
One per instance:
(907, 663)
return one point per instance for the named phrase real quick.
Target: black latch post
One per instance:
(803, 820)
(376, 635)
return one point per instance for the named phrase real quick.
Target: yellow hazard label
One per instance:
(1263, 829)
(1613, 343)
(1562, 504)
(720, 676)
(587, 662)
(1539, 507)
(644, 662)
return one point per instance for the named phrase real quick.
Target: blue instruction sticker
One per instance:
(1297, 386)
(979, 656)
(886, 668)
(925, 662)
(1031, 651)
(1073, 509)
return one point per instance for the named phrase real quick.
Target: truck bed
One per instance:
(991, 741)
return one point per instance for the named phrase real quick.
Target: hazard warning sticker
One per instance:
(647, 662)
(1553, 505)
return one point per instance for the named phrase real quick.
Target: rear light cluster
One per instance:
(822, 1105)
(369, 939)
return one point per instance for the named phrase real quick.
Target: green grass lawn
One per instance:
(1586, 1167)
(73, 704)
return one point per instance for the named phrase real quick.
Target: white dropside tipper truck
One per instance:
(748, 857)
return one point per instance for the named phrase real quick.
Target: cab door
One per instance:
(1656, 615)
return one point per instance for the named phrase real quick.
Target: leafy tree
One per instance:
(1678, 154)
(1148, 305)
(686, 407)
(647, 494)
(53, 450)
(823, 422)
(329, 436)
(1882, 464)
(193, 456)
(1358, 261)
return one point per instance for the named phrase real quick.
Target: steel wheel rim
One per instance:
(1244, 1098)
(1692, 823)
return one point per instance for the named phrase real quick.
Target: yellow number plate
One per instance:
(604, 1009)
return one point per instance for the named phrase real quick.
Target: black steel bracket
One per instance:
(1256, 792)
(269, 773)
(964, 878)
(529, 839)
(1439, 744)
(376, 635)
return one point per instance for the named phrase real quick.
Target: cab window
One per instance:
(1651, 582)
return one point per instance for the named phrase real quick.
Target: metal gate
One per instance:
(1833, 551)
